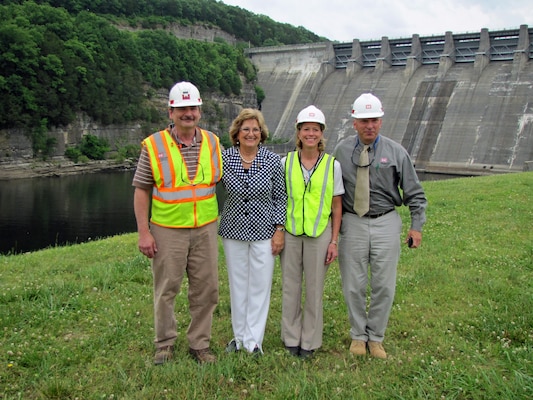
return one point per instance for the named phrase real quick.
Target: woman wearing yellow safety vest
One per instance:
(314, 187)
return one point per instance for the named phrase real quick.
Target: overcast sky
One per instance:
(345, 20)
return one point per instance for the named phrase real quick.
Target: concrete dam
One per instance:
(459, 104)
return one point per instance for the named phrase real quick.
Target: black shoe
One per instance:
(232, 346)
(293, 350)
(305, 354)
(257, 352)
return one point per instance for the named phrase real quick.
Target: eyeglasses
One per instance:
(248, 130)
(372, 157)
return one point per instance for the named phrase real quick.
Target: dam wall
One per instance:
(460, 104)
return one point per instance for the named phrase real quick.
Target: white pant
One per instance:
(250, 269)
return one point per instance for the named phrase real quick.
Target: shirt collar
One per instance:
(197, 138)
(373, 145)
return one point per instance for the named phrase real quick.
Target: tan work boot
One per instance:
(203, 356)
(163, 354)
(358, 347)
(377, 350)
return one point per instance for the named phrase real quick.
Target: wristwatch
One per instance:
(280, 228)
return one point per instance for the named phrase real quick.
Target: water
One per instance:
(45, 212)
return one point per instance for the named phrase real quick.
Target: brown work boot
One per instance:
(203, 356)
(163, 354)
(358, 347)
(377, 350)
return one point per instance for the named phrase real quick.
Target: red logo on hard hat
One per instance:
(368, 106)
(311, 114)
(172, 101)
(186, 96)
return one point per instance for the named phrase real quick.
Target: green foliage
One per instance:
(93, 147)
(83, 159)
(260, 93)
(211, 66)
(54, 65)
(246, 26)
(129, 151)
(73, 153)
(43, 144)
(270, 43)
(60, 58)
(460, 328)
(90, 148)
(225, 141)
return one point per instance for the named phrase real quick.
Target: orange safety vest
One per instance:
(177, 201)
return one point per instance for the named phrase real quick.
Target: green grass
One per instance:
(76, 322)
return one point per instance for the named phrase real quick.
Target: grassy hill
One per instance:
(77, 321)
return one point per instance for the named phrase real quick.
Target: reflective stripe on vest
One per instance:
(178, 201)
(309, 205)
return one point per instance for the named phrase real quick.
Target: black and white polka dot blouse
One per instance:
(256, 199)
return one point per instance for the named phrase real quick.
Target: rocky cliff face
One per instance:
(217, 113)
(202, 32)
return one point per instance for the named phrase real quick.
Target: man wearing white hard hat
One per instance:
(378, 176)
(314, 187)
(175, 184)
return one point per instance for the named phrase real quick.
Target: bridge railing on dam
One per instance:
(462, 48)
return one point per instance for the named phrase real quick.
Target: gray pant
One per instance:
(369, 248)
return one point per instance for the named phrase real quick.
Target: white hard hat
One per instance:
(367, 106)
(184, 94)
(311, 114)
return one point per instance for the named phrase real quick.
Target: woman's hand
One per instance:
(278, 241)
(332, 253)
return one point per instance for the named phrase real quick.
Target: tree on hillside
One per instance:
(54, 65)
(243, 24)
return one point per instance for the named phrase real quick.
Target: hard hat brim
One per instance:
(192, 104)
(369, 115)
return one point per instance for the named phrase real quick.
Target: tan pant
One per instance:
(194, 251)
(303, 259)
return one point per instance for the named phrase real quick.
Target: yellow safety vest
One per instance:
(178, 202)
(309, 205)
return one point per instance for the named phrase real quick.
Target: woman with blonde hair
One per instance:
(314, 188)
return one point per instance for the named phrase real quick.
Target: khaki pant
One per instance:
(185, 250)
(303, 259)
